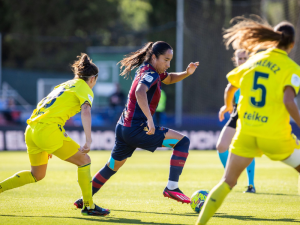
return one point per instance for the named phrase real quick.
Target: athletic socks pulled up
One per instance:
(223, 157)
(177, 162)
(213, 202)
(84, 180)
(101, 177)
(250, 173)
(17, 180)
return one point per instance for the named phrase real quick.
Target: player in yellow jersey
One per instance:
(269, 82)
(45, 134)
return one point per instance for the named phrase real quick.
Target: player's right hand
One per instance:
(86, 148)
(151, 127)
(224, 109)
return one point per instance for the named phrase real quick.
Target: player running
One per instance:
(269, 82)
(228, 131)
(45, 134)
(135, 128)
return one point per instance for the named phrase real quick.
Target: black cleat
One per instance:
(97, 211)
(250, 189)
(79, 203)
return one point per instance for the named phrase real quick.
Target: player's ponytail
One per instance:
(84, 68)
(254, 33)
(135, 59)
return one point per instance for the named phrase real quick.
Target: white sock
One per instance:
(172, 185)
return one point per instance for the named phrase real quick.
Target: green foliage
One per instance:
(49, 34)
(134, 194)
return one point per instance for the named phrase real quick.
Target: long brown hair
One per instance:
(255, 33)
(84, 68)
(135, 59)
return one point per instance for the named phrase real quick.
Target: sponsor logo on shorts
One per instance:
(162, 128)
(65, 134)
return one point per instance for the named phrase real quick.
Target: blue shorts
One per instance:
(130, 138)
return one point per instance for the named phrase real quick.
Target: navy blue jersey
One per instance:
(132, 114)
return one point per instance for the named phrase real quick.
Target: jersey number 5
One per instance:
(263, 89)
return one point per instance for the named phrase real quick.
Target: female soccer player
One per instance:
(269, 82)
(135, 128)
(227, 133)
(45, 134)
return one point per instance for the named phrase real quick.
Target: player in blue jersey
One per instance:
(135, 128)
(228, 131)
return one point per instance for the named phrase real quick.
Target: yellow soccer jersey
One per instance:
(262, 80)
(63, 102)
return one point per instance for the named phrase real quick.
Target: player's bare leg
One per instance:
(24, 177)
(83, 162)
(102, 176)
(235, 166)
(294, 161)
(180, 144)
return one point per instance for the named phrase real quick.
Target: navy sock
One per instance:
(178, 158)
(101, 177)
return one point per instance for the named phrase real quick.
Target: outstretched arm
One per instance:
(86, 119)
(176, 77)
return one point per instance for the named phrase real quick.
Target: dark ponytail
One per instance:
(84, 68)
(287, 33)
(135, 59)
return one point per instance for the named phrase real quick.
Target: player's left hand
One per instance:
(49, 156)
(191, 68)
(224, 109)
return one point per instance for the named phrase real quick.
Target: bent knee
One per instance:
(221, 147)
(86, 159)
(183, 145)
(39, 176)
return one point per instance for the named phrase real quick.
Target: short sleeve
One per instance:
(85, 94)
(293, 80)
(163, 76)
(234, 76)
(149, 78)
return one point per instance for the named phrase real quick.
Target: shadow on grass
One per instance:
(251, 218)
(260, 193)
(98, 219)
(161, 213)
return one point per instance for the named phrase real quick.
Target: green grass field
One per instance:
(134, 194)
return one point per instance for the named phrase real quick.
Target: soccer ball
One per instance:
(198, 199)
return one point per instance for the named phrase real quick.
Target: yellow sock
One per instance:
(85, 183)
(17, 180)
(213, 202)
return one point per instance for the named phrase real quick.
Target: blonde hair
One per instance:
(235, 54)
(255, 33)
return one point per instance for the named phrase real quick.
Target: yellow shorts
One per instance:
(43, 139)
(250, 146)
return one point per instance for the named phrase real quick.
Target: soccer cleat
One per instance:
(97, 211)
(79, 203)
(177, 195)
(250, 189)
